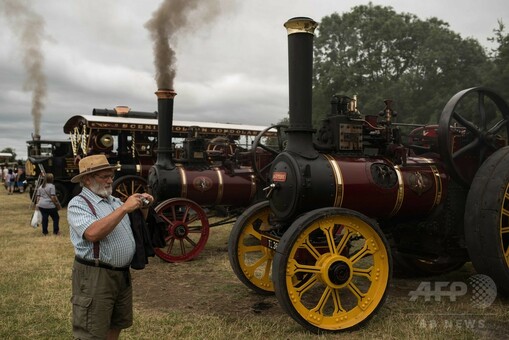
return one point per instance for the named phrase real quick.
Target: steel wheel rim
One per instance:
(328, 300)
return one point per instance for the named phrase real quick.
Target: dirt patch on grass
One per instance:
(205, 285)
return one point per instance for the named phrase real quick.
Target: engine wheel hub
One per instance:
(339, 272)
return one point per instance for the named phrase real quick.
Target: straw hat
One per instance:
(91, 164)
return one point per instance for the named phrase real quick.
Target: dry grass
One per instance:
(35, 291)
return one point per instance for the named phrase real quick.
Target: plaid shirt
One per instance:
(116, 249)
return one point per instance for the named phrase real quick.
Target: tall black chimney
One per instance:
(165, 120)
(163, 175)
(300, 70)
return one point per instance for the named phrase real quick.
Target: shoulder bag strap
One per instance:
(96, 244)
(58, 202)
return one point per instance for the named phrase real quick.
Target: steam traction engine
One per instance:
(213, 176)
(208, 171)
(342, 207)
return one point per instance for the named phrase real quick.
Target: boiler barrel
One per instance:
(371, 185)
(380, 189)
(209, 186)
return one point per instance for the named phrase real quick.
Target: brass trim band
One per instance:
(183, 193)
(220, 186)
(253, 187)
(300, 25)
(165, 94)
(439, 189)
(438, 186)
(338, 179)
(401, 191)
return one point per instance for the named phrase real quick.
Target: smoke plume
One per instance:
(171, 17)
(29, 27)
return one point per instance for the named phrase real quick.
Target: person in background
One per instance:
(20, 180)
(48, 204)
(10, 179)
(104, 246)
(5, 171)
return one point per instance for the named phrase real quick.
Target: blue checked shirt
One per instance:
(116, 249)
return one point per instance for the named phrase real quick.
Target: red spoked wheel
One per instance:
(188, 229)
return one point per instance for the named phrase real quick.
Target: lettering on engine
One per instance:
(269, 242)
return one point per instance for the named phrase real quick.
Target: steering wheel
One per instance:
(474, 123)
(272, 144)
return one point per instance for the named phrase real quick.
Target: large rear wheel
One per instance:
(250, 260)
(487, 219)
(332, 269)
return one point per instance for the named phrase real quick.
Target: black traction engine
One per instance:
(351, 203)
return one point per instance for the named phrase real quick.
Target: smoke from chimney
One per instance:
(171, 17)
(29, 27)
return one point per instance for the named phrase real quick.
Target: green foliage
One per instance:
(378, 54)
(498, 70)
(10, 150)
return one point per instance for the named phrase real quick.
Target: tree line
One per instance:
(376, 53)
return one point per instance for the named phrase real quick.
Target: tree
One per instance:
(11, 151)
(378, 54)
(498, 70)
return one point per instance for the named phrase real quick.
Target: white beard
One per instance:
(100, 190)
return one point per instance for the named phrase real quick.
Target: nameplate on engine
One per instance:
(268, 242)
(279, 176)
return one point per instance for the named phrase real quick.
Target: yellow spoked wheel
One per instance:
(250, 260)
(332, 269)
(504, 227)
(487, 219)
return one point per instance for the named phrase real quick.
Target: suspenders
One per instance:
(96, 244)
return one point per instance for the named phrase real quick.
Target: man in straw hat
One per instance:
(104, 245)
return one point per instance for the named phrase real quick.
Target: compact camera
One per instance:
(144, 201)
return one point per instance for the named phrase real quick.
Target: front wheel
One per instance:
(332, 269)
(250, 260)
(188, 229)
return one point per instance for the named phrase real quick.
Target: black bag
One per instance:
(157, 228)
(148, 235)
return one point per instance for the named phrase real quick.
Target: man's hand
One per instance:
(136, 201)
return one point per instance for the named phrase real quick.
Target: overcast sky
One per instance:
(231, 69)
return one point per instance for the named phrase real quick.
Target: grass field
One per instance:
(202, 299)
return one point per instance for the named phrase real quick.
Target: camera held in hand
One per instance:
(145, 202)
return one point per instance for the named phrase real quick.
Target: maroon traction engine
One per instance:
(344, 205)
(208, 185)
